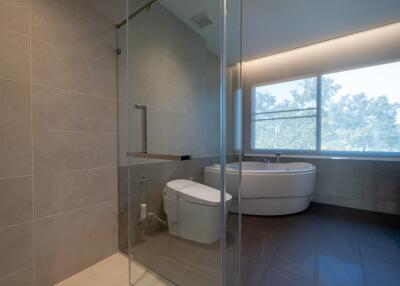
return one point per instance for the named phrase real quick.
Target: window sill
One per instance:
(330, 157)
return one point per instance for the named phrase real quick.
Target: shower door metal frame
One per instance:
(223, 142)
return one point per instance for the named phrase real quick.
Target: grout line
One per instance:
(15, 272)
(13, 79)
(14, 32)
(56, 214)
(74, 92)
(16, 224)
(15, 177)
(73, 131)
(32, 148)
(78, 170)
(74, 210)
(14, 129)
(59, 130)
(362, 258)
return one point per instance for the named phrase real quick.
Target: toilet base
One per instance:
(199, 223)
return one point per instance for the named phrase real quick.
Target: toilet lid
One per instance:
(194, 192)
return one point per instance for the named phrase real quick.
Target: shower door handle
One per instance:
(144, 153)
(143, 109)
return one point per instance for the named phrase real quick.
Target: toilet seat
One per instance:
(193, 192)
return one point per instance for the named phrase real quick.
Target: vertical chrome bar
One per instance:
(143, 108)
(144, 129)
(240, 87)
(318, 133)
(130, 196)
(223, 141)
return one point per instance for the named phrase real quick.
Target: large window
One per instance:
(283, 115)
(354, 111)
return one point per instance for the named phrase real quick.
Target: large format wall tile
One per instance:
(72, 67)
(71, 53)
(72, 241)
(74, 55)
(15, 153)
(20, 278)
(54, 24)
(58, 110)
(15, 107)
(14, 56)
(105, 12)
(59, 192)
(14, 15)
(16, 248)
(15, 200)
(65, 151)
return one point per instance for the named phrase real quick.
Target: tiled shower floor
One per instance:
(324, 246)
(188, 263)
(113, 271)
(180, 261)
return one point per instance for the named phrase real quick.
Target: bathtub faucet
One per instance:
(278, 157)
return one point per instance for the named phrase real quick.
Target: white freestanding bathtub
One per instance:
(267, 188)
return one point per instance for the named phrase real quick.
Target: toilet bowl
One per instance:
(193, 210)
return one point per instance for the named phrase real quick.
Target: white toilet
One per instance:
(193, 210)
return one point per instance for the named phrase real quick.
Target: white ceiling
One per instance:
(272, 26)
(186, 9)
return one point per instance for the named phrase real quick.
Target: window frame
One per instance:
(286, 151)
(318, 152)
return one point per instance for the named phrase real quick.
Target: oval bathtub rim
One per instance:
(215, 168)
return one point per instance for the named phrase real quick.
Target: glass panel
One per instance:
(173, 71)
(361, 110)
(284, 115)
(296, 94)
(234, 143)
(290, 133)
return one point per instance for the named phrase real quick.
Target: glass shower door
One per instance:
(233, 115)
(170, 116)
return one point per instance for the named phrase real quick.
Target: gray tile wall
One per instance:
(360, 184)
(172, 72)
(58, 141)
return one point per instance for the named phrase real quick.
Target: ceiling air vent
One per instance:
(201, 20)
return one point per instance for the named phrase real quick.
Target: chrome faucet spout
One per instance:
(278, 157)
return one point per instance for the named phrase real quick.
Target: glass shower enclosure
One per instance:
(179, 112)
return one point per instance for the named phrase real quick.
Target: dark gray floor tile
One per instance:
(195, 278)
(325, 266)
(277, 277)
(152, 250)
(296, 256)
(171, 270)
(381, 273)
(208, 262)
(252, 272)
(334, 269)
(385, 252)
(323, 246)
